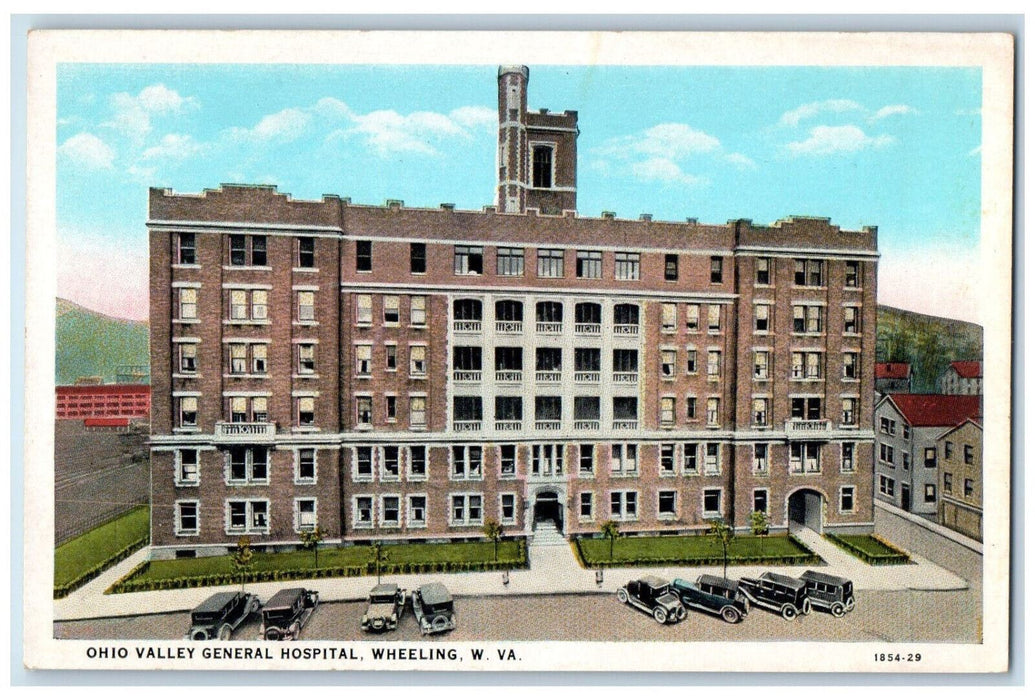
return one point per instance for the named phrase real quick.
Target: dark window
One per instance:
(467, 408)
(542, 166)
(259, 250)
(306, 252)
(587, 313)
(852, 273)
(761, 501)
(418, 258)
(930, 493)
(848, 498)
(238, 249)
(671, 266)
(187, 249)
(467, 260)
(548, 408)
(712, 498)
(508, 408)
(508, 359)
(364, 256)
(587, 359)
(587, 408)
(549, 312)
(716, 274)
(548, 359)
(666, 503)
(467, 358)
(762, 270)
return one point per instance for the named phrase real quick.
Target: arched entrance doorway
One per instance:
(805, 509)
(547, 510)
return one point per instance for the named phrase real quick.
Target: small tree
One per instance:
(610, 531)
(243, 558)
(380, 557)
(311, 539)
(724, 534)
(759, 522)
(493, 531)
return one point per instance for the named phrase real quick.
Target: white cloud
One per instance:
(671, 140)
(86, 150)
(664, 170)
(741, 161)
(474, 117)
(812, 109)
(830, 140)
(387, 132)
(282, 127)
(173, 147)
(133, 113)
(332, 108)
(890, 110)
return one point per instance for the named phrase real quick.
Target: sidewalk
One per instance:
(553, 570)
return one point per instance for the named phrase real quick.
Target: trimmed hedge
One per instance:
(897, 557)
(805, 558)
(127, 585)
(96, 570)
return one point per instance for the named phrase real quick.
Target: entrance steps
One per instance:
(546, 534)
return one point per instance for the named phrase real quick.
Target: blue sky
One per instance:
(898, 148)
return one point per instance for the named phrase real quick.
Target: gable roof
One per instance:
(932, 410)
(967, 369)
(892, 370)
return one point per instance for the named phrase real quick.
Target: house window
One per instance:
(905, 460)
(390, 511)
(391, 358)
(467, 410)
(364, 360)
(905, 430)
(693, 317)
(852, 319)
(418, 412)
(307, 252)
(510, 262)
(760, 501)
(418, 258)
(418, 463)
(763, 270)
(808, 319)
(363, 467)
(712, 501)
(586, 505)
(691, 360)
(804, 457)
(930, 493)
(806, 365)
(259, 251)
(627, 266)
(587, 459)
(547, 460)
(589, 264)
(852, 279)
(418, 316)
(245, 517)
(806, 407)
(390, 463)
(850, 411)
(886, 486)
(671, 267)
(712, 411)
(362, 511)
(690, 457)
(187, 521)
(760, 412)
(666, 504)
(887, 454)
(847, 457)
(467, 260)
(760, 461)
(467, 462)
(508, 460)
(762, 318)
(306, 411)
(307, 306)
(391, 408)
(627, 315)
(550, 262)
(847, 499)
(364, 411)
(260, 353)
(668, 411)
(364, 309)
(391, 310)
(716, 269)
(948, 449)
(712, 458)
(587, 412)
(542, 166)
(714, 318)
(509, 408)
(625, 410)
(188, 304)
(691, 407)
(667, 458)
(930, 457)
(239, 409)
(238, 250)
(188, 411)
(188, 358)
(624, 505)
(305, 514)
(808, 273)
(417, 511)
(364, 256)
(625, 459)
(947, 482)
(714, 363)
(305, 466)
(668, 318)
(851, 366)
(968, 488)
(418, 362)
(187, 472)
(186, 249)
(238, 305)
(968, 454)
(668, 364)
(508, 509)
(466, 509)
(761, 366)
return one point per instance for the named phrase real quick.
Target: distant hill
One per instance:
(929, 343)
(92, 344)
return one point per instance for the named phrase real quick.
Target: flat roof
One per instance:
(435, 593)
(284, 598)
(215, 603)
(783, 580)
(825, 578)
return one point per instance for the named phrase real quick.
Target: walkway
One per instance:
(553, 570)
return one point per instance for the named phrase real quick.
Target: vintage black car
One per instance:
(654, 596)
(782, 594)
(220, 615)
(385, 605)
(433, 608)
(287, 612)
(831, 593)
(714, 595)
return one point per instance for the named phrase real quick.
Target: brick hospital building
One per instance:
(396, 373)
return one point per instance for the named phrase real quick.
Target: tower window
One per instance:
(542, 166)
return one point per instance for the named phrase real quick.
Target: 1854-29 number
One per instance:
(909, 658)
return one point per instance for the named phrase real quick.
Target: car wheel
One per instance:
(660, 615)
(623, 596)
(295, 630)
(806, 607)
(273, 635)
(730, 615)
(254, 607)
(681, 614)
(225, 632)
(851, 604)
(837, 610)
(788, 612)
(440, 623)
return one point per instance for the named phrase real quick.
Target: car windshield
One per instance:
(848, 589)
(442, 607)
(384, 598)
(204, 617)
(276, 616)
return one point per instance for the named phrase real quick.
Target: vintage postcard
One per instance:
(518, 351)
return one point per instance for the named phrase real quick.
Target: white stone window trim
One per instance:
(364, 525)
(357, 478)
(249, 513)
(398, 522)
(178, 465)
(297, 513)
(710, 489)
(297, 463)
(177, 530)
(674, 515)
(467, 519)
(513, 519)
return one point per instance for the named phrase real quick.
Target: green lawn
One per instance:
(870, 549)
(689, 550)
(76, 557)
(468, 552)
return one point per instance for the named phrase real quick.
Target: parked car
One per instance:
(220, 615)
(433, 608)
(385, 605)
(714, 595)
(782, 594)
(654, 596)
(287, 612)
(831, 593)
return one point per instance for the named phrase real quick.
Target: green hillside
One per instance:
(929, 343)
(92, 344)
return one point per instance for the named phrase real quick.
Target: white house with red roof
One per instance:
(906, 451)
(893, 377)
(962, 377)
